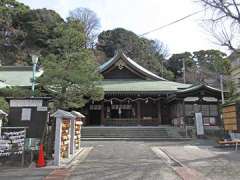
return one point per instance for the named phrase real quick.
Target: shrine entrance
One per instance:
(125, 111)
(94, 118)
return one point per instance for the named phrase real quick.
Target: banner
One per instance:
(199, 124)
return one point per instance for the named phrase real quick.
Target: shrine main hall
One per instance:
(135, 96)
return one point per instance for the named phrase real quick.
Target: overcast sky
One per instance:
(141, 16)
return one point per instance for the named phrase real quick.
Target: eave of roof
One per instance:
(34, 98)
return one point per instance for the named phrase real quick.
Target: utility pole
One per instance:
(184, 71)
(221, 85)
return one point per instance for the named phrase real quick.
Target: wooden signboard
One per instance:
(230, 118)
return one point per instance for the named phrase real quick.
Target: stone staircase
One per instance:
(131, 133)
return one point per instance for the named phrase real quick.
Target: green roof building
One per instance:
(136, 96)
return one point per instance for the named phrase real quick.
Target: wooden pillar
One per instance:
(72, 135)
(183, 113)
(102, 114)
(69, 143)
(159, 112)
(138, 112)
(57, 146)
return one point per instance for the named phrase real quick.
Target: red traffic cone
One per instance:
(41, 161)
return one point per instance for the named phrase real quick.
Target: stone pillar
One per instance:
(57, 146)
(72, 135)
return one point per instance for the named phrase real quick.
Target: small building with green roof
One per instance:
(20, 76)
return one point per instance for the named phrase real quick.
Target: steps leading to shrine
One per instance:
(131, 133)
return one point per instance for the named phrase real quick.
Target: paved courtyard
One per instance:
(211, 163)
(122, 160)
(136, 160)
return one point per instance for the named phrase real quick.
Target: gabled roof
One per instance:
(77, 114)
(199, 87)
(121, 56)
(17, 75)
(63, 114)
(196, 90)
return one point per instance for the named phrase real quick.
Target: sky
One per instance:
(141, 16)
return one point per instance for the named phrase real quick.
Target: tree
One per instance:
(4, 105)
(90, 21)
(213, 61)
(23, 31)
(175, 63)
(211, 64)
(72, 75)
(224, 21)
(200, 66)
(40, 25)
(148, 53)
(11, 36)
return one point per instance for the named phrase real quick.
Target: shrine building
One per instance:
(135, 96)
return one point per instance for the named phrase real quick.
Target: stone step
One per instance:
(135, 132)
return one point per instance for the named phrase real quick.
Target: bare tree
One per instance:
(90, 22)
(223, 21)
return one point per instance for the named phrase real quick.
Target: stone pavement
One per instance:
(23, 173)
(117, 160)
(135, 160)
(212, 163)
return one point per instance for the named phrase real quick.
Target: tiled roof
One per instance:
(141, 86)
(17, 75)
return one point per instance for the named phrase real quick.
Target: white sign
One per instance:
(26, 114)
(199, 123)
(25, 103)
(42, 108)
